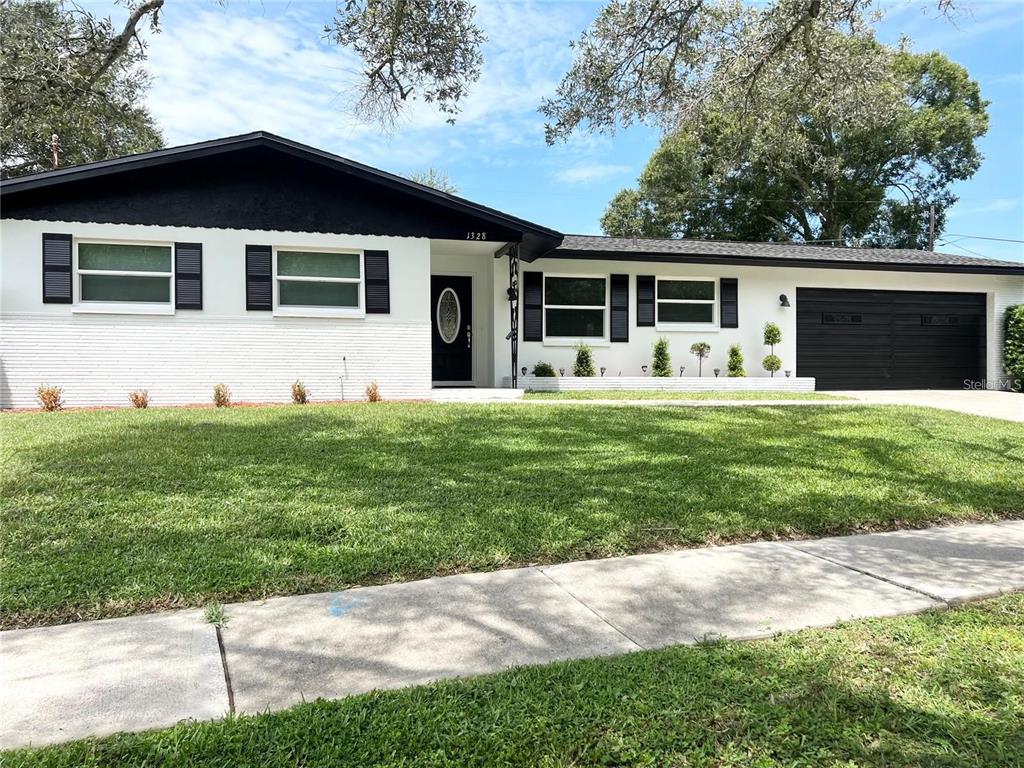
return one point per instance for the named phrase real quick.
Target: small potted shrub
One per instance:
(300, 395)
(584, 365)
(734, 368)
(221, 395)
(139, 398)
(50, 398)
(661, 362)
(544, 371)
(701, 350)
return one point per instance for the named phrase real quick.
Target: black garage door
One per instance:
(889, 339)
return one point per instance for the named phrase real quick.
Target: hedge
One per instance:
(1013, 345)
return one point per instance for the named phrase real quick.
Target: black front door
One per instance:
(451, 305)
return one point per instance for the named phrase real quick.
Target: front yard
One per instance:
(115, 512)
(938, 689)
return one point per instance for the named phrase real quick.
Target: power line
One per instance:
(980, 237)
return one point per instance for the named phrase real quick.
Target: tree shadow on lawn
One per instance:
(870, 694)
(249, 503)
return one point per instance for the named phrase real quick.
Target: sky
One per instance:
(221, 69)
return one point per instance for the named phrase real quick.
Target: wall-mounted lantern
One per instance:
(783, 300)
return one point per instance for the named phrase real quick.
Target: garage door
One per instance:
(889, 339)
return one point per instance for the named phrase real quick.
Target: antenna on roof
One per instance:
(55, 149)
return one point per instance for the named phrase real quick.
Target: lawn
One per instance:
(107, 513)
(643, 394)
(937, 689)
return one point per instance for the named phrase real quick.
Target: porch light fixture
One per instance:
(783, 300)
(681, 369)
(603, 369)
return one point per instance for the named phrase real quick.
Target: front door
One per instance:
(451, 305)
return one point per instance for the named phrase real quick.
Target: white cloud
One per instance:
(586, 173)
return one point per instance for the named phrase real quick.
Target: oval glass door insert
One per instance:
(449, 316)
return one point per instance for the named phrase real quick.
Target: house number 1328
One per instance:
(476, 235)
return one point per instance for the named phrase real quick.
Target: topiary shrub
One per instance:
(139, 398)
(300, 395)
(221, 395)
(1013, 346)
(735, 365)
(701, 349)
(544, 370)
(772, 336)
(772, 363)
(661, 362)
(584, 365)
(50, 398)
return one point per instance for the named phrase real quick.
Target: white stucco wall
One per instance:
(99, 358)
(759, 290)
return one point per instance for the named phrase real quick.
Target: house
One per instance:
(255, 261)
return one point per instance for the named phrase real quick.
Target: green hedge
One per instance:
(1013, 345)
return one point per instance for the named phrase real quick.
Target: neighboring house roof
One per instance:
(774, 254)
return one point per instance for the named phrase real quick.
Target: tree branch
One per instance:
(120, 43)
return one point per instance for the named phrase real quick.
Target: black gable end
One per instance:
(252, 187)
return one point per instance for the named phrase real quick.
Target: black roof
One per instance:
(775, 254)
(264, 139)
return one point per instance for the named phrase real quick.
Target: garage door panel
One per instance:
(858, 339)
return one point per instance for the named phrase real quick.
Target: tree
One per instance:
(837, 166)
(69, 73)
(772, 336)
(649, 60)
(735, 365)
(701, 349)
(428, 49)
(439, 180)
(661, 363)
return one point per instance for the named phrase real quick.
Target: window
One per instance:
(325, 280)
(574, 307)
(128, 273)
(686, 301)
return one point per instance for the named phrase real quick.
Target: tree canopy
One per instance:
(831, 160)
(439, 180)
(67, 72)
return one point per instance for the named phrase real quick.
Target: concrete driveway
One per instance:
(980, 402)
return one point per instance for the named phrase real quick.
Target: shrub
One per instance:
(50, 398)
(772, 335)
(772, 363)
(661, 361)
(373, 393)
(584, 365)
(300, 395)
(735, 365)
(1013, 346)
(139, 398)
(701, 349)
(221, 395)
(544, 370)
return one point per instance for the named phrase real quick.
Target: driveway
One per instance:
(980, 402)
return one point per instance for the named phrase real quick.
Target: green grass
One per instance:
(618, 394)
(112, 512)
(937, 690)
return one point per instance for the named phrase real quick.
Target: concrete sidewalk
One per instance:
(97, 678)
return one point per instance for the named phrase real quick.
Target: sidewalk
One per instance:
(97, 678)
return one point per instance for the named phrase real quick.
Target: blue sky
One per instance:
(225, 69)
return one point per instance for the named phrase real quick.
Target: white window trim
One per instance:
(570, 341)
(288, 310)
(670, 326)
(120, 307)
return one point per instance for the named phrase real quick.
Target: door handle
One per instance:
(469, 335)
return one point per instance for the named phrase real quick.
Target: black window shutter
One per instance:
(644, 300)
(533, 306)
(378, 284)
(188, 275)
(620, 308)
(729, 303)
(258, 293)
(56, 269)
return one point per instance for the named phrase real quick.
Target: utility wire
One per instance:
(980, 237)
